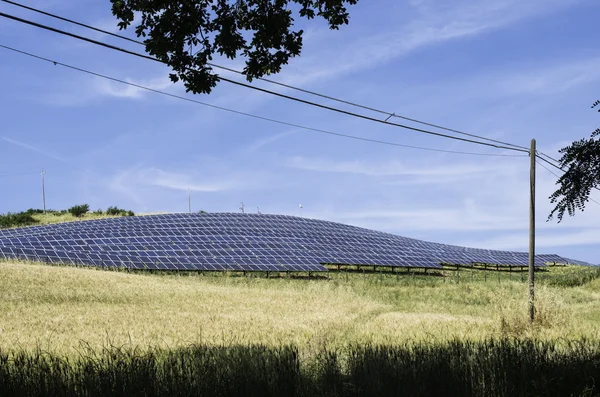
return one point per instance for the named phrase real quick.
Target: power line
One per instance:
(549, 157)
(550, 171)
(389, 114)
(546, 168)
(249, 114)
(87, 39)
(553, 165)
(556, 166)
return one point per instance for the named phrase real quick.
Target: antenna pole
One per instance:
(190, 201)
(43, 190)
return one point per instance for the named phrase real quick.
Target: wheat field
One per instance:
(61, 309)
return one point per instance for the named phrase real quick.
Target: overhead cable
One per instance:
(87, 39)
(249, 114)
(389, 114)
(557, 167)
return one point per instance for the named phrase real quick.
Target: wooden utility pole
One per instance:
(532, 154)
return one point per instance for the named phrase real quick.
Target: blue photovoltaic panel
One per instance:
(225, 241)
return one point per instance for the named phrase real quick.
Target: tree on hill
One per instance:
(581, 161)
(185, 34)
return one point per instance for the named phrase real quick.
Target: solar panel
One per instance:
(226, 242)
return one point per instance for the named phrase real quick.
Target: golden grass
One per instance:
(49, 218)
(58, 308)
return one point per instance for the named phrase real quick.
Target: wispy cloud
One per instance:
(253, 147)
(109, 88)
(548, 241)
(390, 168)
(139, 177)
(450, 21)
(178, 181)
(467, 217)
(36, 149)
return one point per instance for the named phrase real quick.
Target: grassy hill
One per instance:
(59, 308)
(81, 331)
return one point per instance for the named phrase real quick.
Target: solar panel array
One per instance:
(228, 241)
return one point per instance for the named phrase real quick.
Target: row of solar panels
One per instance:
(237, 239)
(339, 254)
(160, 261)
(299, 260)
(81, 242)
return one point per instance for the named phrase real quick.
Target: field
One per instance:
(60, 308)
(66, 329)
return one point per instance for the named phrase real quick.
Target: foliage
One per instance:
(186, 34)
(115, 211)
(32, 211)
(581, 160)
(504, 367)
(16, 219)
(79, 210)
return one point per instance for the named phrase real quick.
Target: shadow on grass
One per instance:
(506, 367)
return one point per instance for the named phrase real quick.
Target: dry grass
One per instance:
(58, 308)
(46, 219)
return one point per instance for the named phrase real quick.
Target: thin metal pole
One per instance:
(531, 230)
(43, 190)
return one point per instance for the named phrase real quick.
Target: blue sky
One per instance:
(505, 69)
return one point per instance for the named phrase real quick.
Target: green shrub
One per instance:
(116, 211)
(98, 212)
(113, 211)
(16, 219)
(79, 210)
(33, 211)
